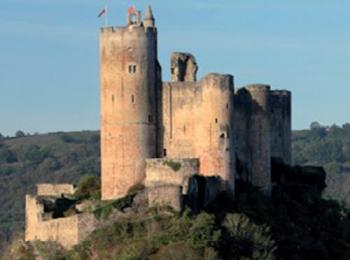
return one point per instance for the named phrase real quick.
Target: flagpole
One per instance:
(106, 16)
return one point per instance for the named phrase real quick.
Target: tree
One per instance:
(315, 125)
(20, 133)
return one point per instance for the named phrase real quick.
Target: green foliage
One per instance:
(203, 232)
(175, 166)
(328, 147)
(20, 133)
(89, 187)
(106, 208)
(244, 239)
(29, 160)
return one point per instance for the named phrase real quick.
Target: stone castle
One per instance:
(232, 134)
(184, 140)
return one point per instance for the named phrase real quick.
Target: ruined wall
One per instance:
(166, 195)
(129, 106)
(197, 118)
(183, 67)
(67, 231)
(170, 171)
(168, 179)
(56, 190)
(281, 125)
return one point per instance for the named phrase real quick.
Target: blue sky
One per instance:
(49, 77)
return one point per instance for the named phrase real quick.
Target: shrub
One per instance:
(89, 187)
(244, 238)
(175, 166)
(203, 232)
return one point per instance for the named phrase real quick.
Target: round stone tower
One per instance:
(129, 103)
(214, 133)
(259, 137)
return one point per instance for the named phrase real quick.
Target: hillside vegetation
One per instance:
(65, 157)
(328, 147)
(52, 158)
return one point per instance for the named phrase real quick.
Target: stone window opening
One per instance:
(132, 99)
(172, 70)
(216, 120)
(226, 106)
(132, 69)
(222, 135)
(164, 152)
(113, 98)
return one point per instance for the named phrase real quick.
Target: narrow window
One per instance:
(164, 152)
(227, 106)
(113, 98)
(216, 120)
(172, 70)
(132, 69)
(132, 99)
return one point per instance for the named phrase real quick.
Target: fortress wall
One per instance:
(68, 231)
(129, 106)
(181, 107)
(56, 190)
(259, 137)
(62, 230)
(166, 195)
(170, 171)
(281, 125)
(197, 120)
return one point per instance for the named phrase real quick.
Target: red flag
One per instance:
(132, 10)
(103, 12)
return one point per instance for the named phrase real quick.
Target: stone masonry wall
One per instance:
(56, 190)
(170, 171)
(129, 106)
(197, 119)
(68, 231)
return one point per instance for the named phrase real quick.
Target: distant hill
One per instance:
(328, 147)
(65, 157)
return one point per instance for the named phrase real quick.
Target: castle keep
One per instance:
(184, 140)
(233, 134)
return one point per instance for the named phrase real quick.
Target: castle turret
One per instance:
(129, 104)
(214, 138)
(259, 137)
(149, 20)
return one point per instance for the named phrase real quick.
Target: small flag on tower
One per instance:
(103, 12)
